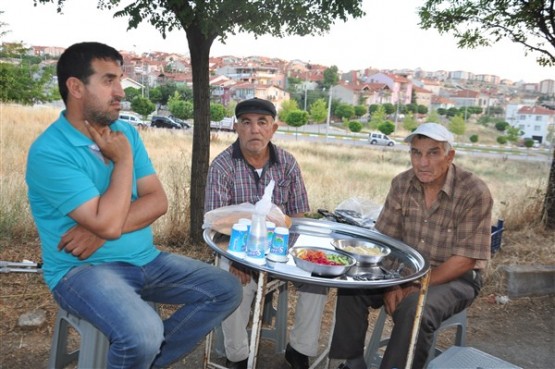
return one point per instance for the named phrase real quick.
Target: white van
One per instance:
(133, 119)
(376, 138)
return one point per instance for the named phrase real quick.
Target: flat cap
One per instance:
(255, 105)
(434, 131)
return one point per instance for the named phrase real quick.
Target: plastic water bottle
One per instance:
(257, 240)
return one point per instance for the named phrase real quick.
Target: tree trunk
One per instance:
(549, 204)
(199, 47)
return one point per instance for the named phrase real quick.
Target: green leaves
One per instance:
(477, 23)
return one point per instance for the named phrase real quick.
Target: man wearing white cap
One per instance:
(442, 211)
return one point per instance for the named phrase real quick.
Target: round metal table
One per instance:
(404, 264)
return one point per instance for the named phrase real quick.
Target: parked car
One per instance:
(180, 121)
(164, 122)
(133, 119)
(376, 138)
(225, 124)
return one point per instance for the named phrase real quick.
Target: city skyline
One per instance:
(376, 41)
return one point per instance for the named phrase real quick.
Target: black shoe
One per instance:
(295, 358)
(343, 366)
(236, 364)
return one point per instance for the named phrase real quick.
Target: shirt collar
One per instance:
(73, 135)
(237, 154)
(448, 187)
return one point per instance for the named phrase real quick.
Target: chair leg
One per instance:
(372, 356)
(59, 355)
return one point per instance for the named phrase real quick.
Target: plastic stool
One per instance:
(373, 358)
(93, 345)
(278, 333)
(468, 358)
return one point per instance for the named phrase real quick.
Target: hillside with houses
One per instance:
(529, 107)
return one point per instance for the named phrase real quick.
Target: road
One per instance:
(318, 134)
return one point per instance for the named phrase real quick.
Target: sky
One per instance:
(388, 37)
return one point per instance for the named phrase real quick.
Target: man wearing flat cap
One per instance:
(240, 174)
(443, 212)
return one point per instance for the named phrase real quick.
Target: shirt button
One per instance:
(425, 220)
(421, 241)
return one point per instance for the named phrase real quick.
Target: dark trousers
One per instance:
(351, 322)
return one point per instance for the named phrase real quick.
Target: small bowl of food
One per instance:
(365, 252)
(321, 261)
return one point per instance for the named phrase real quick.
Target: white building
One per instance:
(535, 121)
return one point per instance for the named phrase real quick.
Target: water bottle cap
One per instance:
(240, 226)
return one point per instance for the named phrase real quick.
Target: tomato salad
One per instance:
(320, 257)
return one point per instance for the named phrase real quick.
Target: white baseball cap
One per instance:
(433, 130)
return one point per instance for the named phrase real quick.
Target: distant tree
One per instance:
(318, 111)
(409, 122)
(473, 138)
(457, 125)
(452, 111)
(344, 111)
(387, 127)
(474, 110)
(502, 140)
(355, 126)
(528, 143)
(389, 108)
(372, 108)
(217, 112)
(496, 110)
(360, 110)
(131, 92)
(422, 109)
(230, 109)
(25, 84)
(179, 108)
(155, 95)
(513, 133)
(331, 77)
(142, 105)
(442, 111)
(409, 108)
(377, 118)
(433, 117)
(286, 107)
(296, 118)
(477, 23)
(501, 126)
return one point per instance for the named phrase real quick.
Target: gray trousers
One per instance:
(351, 323)
(304, 334)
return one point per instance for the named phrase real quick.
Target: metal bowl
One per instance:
(322, 269)
(383, 251)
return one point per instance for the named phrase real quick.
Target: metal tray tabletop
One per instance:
(320, 233)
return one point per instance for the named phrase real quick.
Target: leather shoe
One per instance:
(236, 364)
(295, 358)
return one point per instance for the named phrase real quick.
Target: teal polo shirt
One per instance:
(65, 170)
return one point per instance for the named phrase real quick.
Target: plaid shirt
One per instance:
(231, 180)
(458, 223)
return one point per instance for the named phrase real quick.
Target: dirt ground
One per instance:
(522, 331)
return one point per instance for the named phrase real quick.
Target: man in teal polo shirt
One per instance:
(94, 194)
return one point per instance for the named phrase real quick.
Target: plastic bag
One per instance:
(222, 219)
(359, 211)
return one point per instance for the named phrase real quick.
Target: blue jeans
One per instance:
(113, 297)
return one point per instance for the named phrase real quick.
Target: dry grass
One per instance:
(332, 173)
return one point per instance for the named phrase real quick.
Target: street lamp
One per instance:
(329, 113)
